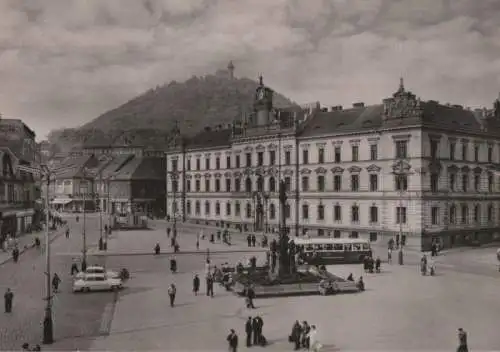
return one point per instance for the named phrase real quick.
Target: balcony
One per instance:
(4, 204)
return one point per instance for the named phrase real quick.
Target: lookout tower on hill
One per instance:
(230, 69)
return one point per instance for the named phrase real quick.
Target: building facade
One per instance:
(405, 169)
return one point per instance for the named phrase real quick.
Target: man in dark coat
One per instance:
(210, 285)
(257, 325)
(196, 284)
(232, 340)
(462, 341)
(254, 240)
(248, 331)
(249, 240)
(250, 297)
(296, 335)
(15, 254)
(8, 298)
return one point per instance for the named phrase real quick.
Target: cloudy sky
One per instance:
(64, 62)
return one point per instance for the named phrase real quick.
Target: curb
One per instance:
(203, 252)
(55, 235)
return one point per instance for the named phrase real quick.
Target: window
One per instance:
(373, 182)
(354, 183)
(401, 149)
(260, 184)
(355, 153)
(465, 214)
(338, 154)
(198, 164)
(228, 209)
(197, 185)
(354, 234)
(272, 184)
(237, 208)
(452, 150)
(272, 157)
(305, 156)
(188, 164)
(373, 214)
(188, 185)
(305, 211)
(337, 183)
(288, 183)
(337, 213)
(321, 212)
(490, 183)
(288, 157)
(490, 212)
(373, 152)
(207, 208)
(207, 163)
(373, 236)
(197, 207)
(288, 211)
(321, 155)
(217, 185)
(248, 185)
(188, 207)
(321, 182)
(207, 185)
(237, 185)
(434, 182)
(228, 162)
(354, 213)
(434, 149)
(260, 158)
(228, 185)
(238, 161)
(452, 181)
(336, 234)
(217, 208)
(400, 215)
(217, 163)
(465, 182)
(476, 153)
(272, 211)
(248, 159)
(305, 183)
(249, 210)
(490, 154)
(477, 182)
(174, 164)
(477, 213)
(401, 182)
(464, 151)
(435, 215)
(175, 186)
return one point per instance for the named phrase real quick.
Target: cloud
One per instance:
(63, 62)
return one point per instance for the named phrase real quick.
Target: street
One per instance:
(74, 315)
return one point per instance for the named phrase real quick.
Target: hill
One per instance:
(147, 119)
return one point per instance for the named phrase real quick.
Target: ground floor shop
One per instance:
(15, 223)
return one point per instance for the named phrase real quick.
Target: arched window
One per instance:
(188, 207)
(272, 211)
(248, 185)
(207, 208)
(217, 208)
(321, 212)
(260, 184)
(197, 208)
(272, 184)
(249, 210)
(228, 208)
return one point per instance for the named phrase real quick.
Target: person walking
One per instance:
(462, 341)
(248, 331)
(172, 291)
(196, 284)
(67, 232)
(56, 280)
(232, 340)
(210, 285)
(8, 298)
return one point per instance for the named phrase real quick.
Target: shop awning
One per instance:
(62, 201)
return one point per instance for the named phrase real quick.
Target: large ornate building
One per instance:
(406, 169)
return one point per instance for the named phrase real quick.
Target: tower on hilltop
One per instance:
(230, 69)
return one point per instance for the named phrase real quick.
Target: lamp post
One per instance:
(174, 178)
(101, 203)
(84, 230)
(401, 170)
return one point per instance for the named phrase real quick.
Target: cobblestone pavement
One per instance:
(74, 315)
(400, 310)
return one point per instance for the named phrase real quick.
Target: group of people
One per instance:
(304, 336)
(369, 264)
(427, 266)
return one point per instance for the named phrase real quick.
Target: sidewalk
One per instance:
(27, 241)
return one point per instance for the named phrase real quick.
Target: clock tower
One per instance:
(263, 104)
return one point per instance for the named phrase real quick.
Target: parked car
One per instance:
(96, 282)
(96, 269)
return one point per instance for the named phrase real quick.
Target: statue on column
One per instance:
(284, 260)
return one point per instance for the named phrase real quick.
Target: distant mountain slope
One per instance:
(196, 103)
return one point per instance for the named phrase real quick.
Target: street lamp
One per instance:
(83, 190)
(401, 170)
(174, 177)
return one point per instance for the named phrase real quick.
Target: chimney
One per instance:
(358, 105)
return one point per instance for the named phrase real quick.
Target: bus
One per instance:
(319, 251)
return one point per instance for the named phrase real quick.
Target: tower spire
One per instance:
(230, 68)
(401, 84)
(261, 79)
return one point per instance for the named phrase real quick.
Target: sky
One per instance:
(65, 62)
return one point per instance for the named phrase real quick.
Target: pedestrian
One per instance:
(37, 348)
(67, 233)
(15, 254)
(196, 284)
(305, 335)
(249, 240)
(210, 285)
(232, 340)
(74, 268)
(26, 347)
(296, 335)
(314, 344)
(254, 240)
(197, 244)
(157, 249)
(462, 341)
(56, 280)
(248, 331)
(172, 290)
(8, 298)
(257, 326)
(378, 263)
(173, 265)
(389, 255)
(250, 297)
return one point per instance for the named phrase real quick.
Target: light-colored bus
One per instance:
(333, 250)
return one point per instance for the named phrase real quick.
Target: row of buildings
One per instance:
(416, 171)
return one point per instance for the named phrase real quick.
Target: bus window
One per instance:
(329, 247)
(347, 247)
(318, 247)
(309, 247)
(366, 247)
(356, 246)
(338, 247)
